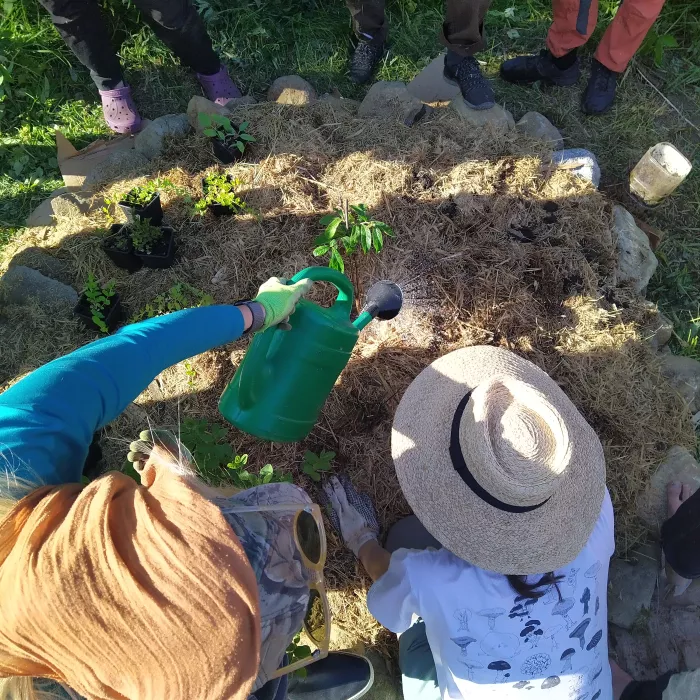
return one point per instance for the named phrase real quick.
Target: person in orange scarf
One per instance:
(117, 590)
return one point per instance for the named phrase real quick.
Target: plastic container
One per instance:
(217, 209)
(662, 168)
(164, 255)
(113, 313)
(225, 153)
(152, 211)
(121, 256)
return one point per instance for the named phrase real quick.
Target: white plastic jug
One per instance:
(662, 168)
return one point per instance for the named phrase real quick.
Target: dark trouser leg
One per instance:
(463, 28)
(418, 672)
(369, 19)
(680, 537)
(409, 533)
(82, 27)
(177, 24)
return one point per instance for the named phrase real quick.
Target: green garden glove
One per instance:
(279, 299)
(140, 450)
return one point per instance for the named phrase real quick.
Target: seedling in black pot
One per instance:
(143, 202)
(99, 307)
(120, 250)
(220, 196)
(154, 245)
(228, 142)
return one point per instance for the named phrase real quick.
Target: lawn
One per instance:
(43, 86)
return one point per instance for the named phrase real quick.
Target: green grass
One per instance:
(261, 39)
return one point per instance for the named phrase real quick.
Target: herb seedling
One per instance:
(141, 195)
(191, 373)
(145, 236)
(350, 228)
(98, 298)
(297, 651)
(314, 465)
(179, 296)
(219, 127)
(220, 189)
(243, 479)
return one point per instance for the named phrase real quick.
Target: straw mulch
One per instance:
(490, 248)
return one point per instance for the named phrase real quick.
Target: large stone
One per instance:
(338, 102)
(38, 259)
(678, 465)
(636, 260)
(579, 162)
(149, 140)
(116, 167)
(22, 285)
(201, 105)
(292, 90)
(538, 126)
(44, 214)
(683, 374)
(391, 101)
(630, 590)
(659, 329)
(244, 101)
(496, 117)
(430, 86)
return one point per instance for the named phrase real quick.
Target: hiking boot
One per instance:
(364, 61)
(119, 110)
(219, 88)
(541, 66)
(340, 676)
(600, 91)
(465, 72)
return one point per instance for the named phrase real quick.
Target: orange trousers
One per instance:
(575, 20)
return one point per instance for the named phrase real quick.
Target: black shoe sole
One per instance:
(597, 113)
(540, 79)
(478, 108)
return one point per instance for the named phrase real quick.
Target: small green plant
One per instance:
(120, 240)
(98, 298)
(206, 442)
(243, 479)
(219, 188)
(191, 373)
(297, 651)
(144, 235)
(351, 228)
(141, 195)
(315, 465)
(180, 296)
(220, 127)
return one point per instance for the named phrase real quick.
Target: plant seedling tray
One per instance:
(164, 255)
(218, 209)
(125, 259)
(113, 313)
(151, 211)
(224, 152)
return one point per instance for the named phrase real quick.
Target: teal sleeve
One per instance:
(47, 419)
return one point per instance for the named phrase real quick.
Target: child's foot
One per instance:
(120, 111)
(219, 87)
(676, 494)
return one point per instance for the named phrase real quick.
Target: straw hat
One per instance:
(497, 463)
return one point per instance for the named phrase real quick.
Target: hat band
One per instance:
(460, 466)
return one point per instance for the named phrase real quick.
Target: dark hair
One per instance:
(534, 590)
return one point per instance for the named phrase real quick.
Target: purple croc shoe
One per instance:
(219, 87)
(120, 111)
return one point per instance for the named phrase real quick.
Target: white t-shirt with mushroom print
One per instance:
(488, 642)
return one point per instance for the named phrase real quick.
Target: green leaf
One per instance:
(332, 228)
(311, 472)
(377, 240)
(366, 239)
(240, 146)
(336, 261)
(267, 470)
(321, 250)
(328, 218)
(243, 126)
(209, 132)
(246, 137)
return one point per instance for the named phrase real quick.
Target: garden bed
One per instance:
(487, 249)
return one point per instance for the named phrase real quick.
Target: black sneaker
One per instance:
(600, 91)
(465, 72)
(364, 61)
(541, 66)
(341, 675)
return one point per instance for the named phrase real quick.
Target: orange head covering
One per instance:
(126, 591)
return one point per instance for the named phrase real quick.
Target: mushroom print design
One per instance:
(522, 607)
(596, 696)
(536, 665)
(597, 672)
(592, 571)
(531, 634)
(572, 578)
(471, 667)
(593, 644)
(551, 596)
(492, 614)
(550, 682)
(464, 642)
(552, 636)
(566, 658)
(562, 608)
(523, 684)
(500, 645)
(580, 631)
(499, 667)
(597, 604)
(585, 599)
(462, 617)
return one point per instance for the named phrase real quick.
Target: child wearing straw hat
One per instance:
(507, 481)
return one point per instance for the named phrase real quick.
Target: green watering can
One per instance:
(286, 375)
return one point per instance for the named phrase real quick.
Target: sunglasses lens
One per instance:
(315, 620)
(309, 537)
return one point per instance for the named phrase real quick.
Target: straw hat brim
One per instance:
(535, 542)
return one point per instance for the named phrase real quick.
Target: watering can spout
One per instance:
(384, 301)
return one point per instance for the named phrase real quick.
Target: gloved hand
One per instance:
(352, 514)
(279, 299)
(140, 450)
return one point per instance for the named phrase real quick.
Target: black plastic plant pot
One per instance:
(112, 314)
(163, 255)
(151, 211)
(218, 209)
(225, 152)
(118, 254)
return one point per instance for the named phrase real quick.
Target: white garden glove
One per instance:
(352, 514)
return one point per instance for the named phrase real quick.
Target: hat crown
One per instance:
(514, 441)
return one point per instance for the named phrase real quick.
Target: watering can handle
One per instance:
(346, 293)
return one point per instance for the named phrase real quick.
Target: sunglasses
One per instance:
(310, 540)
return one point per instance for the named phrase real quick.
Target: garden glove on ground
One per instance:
(279, 299)
(352, 513)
